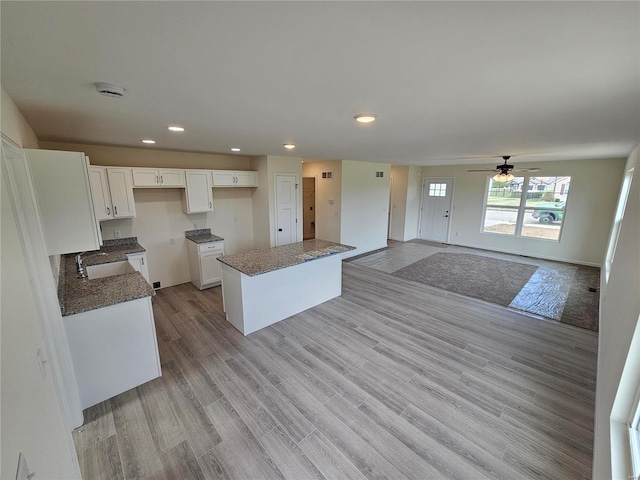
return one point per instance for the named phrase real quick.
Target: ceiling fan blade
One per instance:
(485, 170)
(533, 169)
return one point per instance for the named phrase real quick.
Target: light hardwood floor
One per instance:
(392, 380)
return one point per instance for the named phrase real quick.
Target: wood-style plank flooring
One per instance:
(392, 380)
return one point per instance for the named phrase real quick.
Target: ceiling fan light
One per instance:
(503, 177)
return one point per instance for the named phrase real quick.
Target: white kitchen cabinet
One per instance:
(204, 264)
(113, 349)
(121, 191)
(198, 196)
(100, 193)
(139, 262)
(158, 177)
(63, 194)
(230, 178)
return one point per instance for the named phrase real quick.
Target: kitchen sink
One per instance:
(108, 269)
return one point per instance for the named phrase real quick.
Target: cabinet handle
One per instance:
(210, 206)
(142, 258)
(161, 179)
(157, 179)
(108, 211)
(115, 210)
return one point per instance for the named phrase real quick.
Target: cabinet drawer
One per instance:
(211, 247)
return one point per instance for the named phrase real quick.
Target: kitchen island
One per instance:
(262, 287)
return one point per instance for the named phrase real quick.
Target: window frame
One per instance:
(522, 208)
(633, 429)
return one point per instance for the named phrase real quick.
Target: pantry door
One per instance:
(286, 209)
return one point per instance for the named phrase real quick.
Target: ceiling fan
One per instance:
(504, 171)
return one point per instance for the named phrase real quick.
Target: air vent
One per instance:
(379, 174)
(109, 90)
(327, 174)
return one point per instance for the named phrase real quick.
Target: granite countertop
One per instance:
(77, 295)
(256, 262)
(202, 235)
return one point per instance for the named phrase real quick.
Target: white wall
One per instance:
(159, 215)
(365, 204)
(412, 212)
(327, 190)
(32, 416)
(619, 339)
(590, 207)
(398, 185)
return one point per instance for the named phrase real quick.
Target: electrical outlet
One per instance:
(116, 234)
(195, 225)
(235, 219)
(172, 241)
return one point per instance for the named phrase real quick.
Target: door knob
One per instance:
(279, 229)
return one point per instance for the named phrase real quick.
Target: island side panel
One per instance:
(274, 296)
(232, 296)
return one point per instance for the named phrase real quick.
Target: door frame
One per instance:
(315, 204)
(274, 229)
(425, 180)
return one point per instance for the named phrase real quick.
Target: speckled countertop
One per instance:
(77, 295)
(256, 262)
(202, 235)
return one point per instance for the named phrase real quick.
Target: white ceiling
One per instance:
(448, 80)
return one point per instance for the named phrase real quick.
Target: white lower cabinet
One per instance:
(139, 262)
(113, 349)
(204, 264)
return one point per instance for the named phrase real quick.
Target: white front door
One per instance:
(286, 209)
(435, 210)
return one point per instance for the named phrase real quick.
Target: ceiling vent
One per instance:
(109, 90)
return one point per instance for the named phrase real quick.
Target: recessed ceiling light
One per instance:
(365, 117)
(175, 128)
(147, 140)
(289, 146)
(235, 149)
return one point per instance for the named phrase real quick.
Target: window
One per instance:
(617, 222)
(437, 189)
(526, 207)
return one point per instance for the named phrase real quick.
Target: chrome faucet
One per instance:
(80, 265)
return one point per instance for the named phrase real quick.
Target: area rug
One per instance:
(489, 279)
(582, 308)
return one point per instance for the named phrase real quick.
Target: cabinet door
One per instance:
(63, 194)
(198, 196)
(121, 190)
(146, 177)
(139, 262)
(210, 271)
(100, 193)
(224, 178)
(246, 179)
(171, 177)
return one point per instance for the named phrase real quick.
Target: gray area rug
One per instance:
(489, 279)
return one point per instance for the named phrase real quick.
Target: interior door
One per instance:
(435, 210)
(286, 209)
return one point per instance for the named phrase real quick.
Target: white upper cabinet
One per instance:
(63, 194)
(230, 178)
(197, 196)
(121, 190)
(158, 177)
(100, 193)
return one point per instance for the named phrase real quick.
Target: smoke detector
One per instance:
(109, 90)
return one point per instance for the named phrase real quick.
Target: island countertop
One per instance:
(256, 262)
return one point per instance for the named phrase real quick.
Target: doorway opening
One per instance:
(308, 208)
